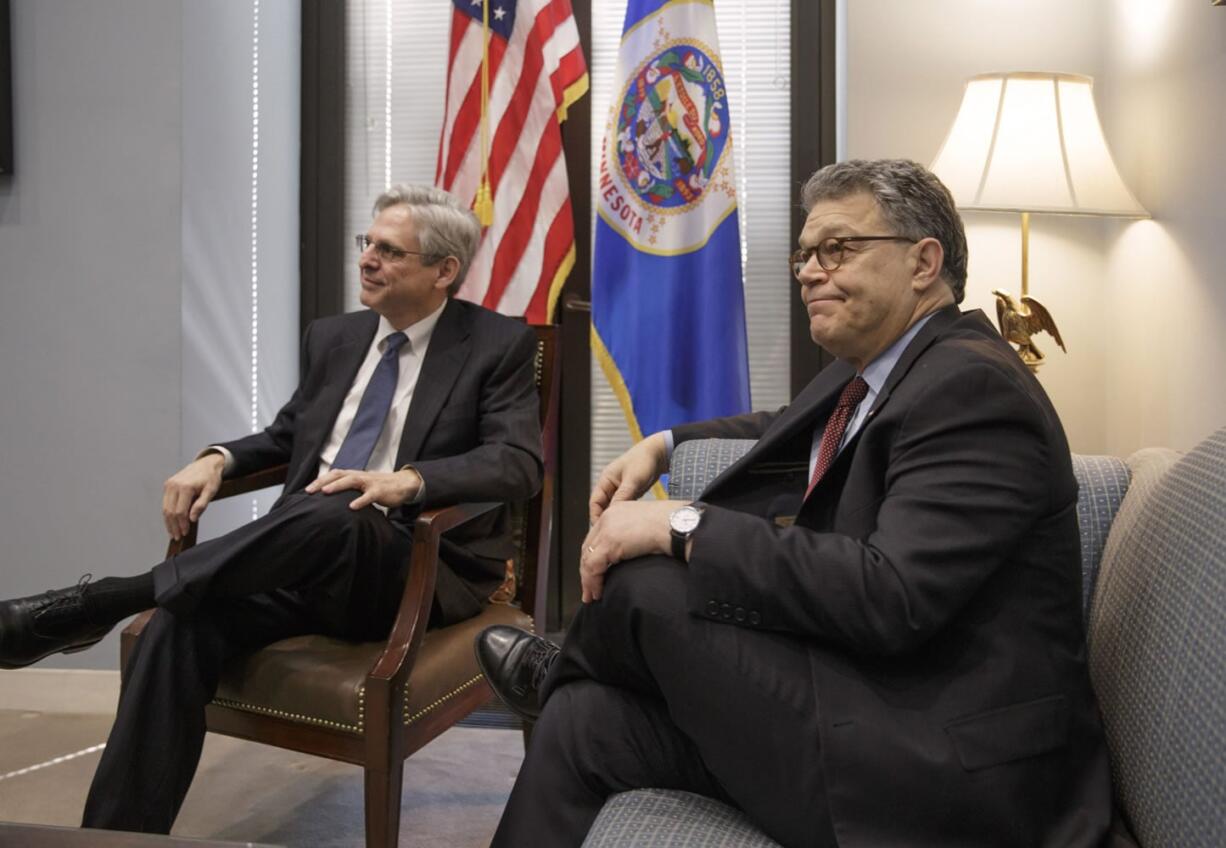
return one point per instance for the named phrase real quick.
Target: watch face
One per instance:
(685, 520)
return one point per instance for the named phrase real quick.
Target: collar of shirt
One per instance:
(419, 333)
(875, 374)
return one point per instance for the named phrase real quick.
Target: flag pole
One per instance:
(483, 205)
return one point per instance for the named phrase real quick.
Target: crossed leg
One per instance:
(311, 566)
(646, 695)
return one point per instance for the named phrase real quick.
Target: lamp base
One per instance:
(1019, 323)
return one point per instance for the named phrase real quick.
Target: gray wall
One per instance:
(127, 270)
(89, 293)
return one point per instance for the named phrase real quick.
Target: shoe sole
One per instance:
(75, 649)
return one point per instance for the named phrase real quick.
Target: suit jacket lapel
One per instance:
(341, 363)
(940, 319)
(448, 350)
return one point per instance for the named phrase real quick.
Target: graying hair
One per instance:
(912, 200)
(444, 226)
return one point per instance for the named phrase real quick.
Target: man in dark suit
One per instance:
(418, 402)
(867, 632)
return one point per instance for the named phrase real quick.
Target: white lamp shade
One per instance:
(1032, 142)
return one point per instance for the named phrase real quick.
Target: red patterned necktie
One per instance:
(849, 399)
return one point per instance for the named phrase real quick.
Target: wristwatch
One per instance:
(682, 524)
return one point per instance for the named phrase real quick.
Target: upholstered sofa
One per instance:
(1153, 545)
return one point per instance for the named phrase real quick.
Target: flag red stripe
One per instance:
(459, 23)
(557, 244)
(515, 240)
(512, 124)
(570, 69)
(467, 122)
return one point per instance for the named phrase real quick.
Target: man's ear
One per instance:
(929, 260)
(448, 270)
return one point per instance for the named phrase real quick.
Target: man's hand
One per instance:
(629, 476)
(188, 492)
(627, 529)
(386, 488)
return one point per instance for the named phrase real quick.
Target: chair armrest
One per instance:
(256, 480)
(414, 613)
(262, 479)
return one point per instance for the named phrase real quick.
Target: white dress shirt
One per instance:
(411, 355)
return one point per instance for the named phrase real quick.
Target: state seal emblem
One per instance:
(670, 131)
(666, 176)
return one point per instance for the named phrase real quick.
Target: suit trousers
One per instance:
(646, 695)
(311, 565)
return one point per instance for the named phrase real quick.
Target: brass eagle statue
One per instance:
(1018, 324)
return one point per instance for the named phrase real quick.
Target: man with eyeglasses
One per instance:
(866, 632)
(416, 402)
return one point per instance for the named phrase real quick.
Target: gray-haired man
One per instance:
(419, 401)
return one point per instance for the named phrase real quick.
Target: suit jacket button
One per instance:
(712, 608)
(754, 618)
(725, 610)
(739, 613)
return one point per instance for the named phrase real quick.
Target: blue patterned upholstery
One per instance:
(665, 818)
(697, 462)
(1102, 482)
(1158, 646)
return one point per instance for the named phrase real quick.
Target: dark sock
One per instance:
(114, 598)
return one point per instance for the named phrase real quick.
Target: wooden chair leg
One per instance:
(383, 788)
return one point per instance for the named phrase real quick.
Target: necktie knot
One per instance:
(393, 343)
(854, 392)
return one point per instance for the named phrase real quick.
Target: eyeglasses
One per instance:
(385, 251)
(832, 251)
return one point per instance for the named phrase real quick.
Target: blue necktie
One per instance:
(372, 411)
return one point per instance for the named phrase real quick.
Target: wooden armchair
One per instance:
(375, 704)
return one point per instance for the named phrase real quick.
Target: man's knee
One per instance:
(652, 584)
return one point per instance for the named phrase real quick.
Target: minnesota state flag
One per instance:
(668, 303)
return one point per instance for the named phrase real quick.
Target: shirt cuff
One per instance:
(228, 466)
(421, 491)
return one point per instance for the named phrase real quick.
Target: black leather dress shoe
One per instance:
(515, 663)
(40, 625)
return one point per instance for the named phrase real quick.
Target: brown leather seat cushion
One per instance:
(319, 680)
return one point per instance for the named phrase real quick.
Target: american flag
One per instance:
(535, 72)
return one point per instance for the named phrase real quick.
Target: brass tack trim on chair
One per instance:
(409, 719)
(306, 719)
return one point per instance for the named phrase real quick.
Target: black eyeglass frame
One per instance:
(800, 258)
(388, 252)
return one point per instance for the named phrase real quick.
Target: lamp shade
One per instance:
(1032, 142)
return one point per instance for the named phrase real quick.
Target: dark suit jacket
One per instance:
(472, 431)
(935, 574)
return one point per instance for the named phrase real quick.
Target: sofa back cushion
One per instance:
(1101, 484)
(1157, 635)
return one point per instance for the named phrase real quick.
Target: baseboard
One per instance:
(59, 690)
